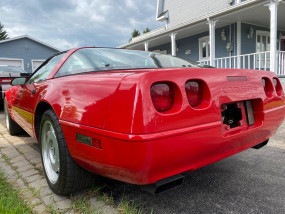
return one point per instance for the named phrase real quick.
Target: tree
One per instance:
(146, 30)
(3, 33)
(134, 34)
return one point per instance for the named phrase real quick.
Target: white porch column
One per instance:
(146, 46)
(273, 6)
(238, 44)
(173, 44)
(212, 24)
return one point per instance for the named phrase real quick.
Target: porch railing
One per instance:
(281, 64)
(258, 61)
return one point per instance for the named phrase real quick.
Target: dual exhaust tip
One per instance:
(164, 184)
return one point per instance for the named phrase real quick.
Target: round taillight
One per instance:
(268, 87)
(162, 95)
(278, 87)
(194, 92)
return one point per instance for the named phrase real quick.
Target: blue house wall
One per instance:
(192, 43)
(25, 49)
(249, 45)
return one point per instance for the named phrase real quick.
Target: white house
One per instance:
(246, 34)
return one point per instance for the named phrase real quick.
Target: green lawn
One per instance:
(10, 201)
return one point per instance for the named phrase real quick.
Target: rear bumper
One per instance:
(147, 158)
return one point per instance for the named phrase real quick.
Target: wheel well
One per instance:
(41, 108)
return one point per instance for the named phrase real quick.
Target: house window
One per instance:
(263, 45)
(262, 41)
(204, 48)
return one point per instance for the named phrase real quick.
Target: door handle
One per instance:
(34, 91)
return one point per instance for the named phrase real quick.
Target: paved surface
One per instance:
(249, 182)
(20, 161)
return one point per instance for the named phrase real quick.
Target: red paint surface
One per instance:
(139, 144)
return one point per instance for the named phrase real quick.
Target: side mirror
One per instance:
(19, 81)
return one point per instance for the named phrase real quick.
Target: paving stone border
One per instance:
(20, 161)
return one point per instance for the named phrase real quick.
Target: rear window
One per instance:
(104, 59)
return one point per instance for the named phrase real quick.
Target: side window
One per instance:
(44, 71)
(76, 63)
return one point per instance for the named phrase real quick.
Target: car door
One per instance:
(25, 101)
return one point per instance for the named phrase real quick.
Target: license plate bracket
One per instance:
(249, 113)
(237, 115)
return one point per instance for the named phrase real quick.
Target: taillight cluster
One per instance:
(194, 92)
(6, 80)
(162, 95)
(166, 96)
(278, 86)
(269, 88)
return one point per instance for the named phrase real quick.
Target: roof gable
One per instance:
(31, 38)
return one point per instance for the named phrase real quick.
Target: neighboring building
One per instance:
(223, 33)
(25, 52)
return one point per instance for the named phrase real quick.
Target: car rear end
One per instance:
(7, 74)
(162, 122)
(184, 119)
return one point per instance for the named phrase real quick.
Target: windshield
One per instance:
(104, 59)
(11, 69)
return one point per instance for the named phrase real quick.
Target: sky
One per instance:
(65, 24)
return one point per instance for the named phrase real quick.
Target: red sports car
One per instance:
(7, 73)
(139, 117)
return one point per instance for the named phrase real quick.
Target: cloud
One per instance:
(69, 23)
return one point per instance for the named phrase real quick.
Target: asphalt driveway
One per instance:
(252, 181)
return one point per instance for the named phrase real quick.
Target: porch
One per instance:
(257, 61)
(236, 37)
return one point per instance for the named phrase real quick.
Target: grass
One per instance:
(51, 210)
(82, 205)
(10, 201)
(6, 159)
(130, 207)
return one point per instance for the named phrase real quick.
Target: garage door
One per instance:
(9, 61)
(36, 63)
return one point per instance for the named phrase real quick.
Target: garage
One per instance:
(12, 62)
(36, 63)
(25, 52)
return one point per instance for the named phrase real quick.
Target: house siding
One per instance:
(25, 49)
(191, 9)
(249, 45)
(192, 43)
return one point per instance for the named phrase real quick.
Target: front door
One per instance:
(25, 101)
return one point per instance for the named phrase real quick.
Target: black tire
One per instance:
(12, 127)
(71, 177)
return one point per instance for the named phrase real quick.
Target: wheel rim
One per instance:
(50, 152)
